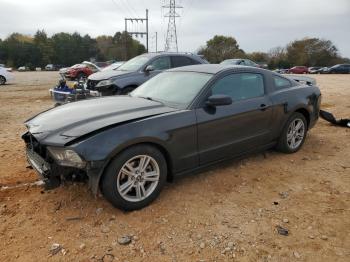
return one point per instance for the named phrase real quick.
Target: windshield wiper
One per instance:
(151, 99)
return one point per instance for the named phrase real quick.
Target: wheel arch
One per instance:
(306, 114)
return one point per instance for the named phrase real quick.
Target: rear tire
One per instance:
(135, 177)
(2, 80)
(293, 134)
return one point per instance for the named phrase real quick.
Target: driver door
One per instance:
(226, 131)
(159, 64)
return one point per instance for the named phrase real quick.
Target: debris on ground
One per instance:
(330, 118)
(55, 248)
(284, 194)
(282, 231)
(124, 240)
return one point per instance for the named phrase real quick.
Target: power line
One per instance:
(130, 8)
(119, 7)
(171, 36)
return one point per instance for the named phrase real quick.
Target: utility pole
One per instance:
(137, 33)
(171, 36)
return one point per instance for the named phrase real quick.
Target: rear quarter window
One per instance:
(281, 82)
(179, 61)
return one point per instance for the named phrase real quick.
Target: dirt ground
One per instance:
(228, 213)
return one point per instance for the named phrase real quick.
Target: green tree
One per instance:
(45, 46)
(119, 47)
(312, 52)
(220, 48)
(278, 58)
(20, 50)
(259, 57)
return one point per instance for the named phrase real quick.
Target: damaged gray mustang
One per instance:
(178, 122)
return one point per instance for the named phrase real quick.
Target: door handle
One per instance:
(263, 107)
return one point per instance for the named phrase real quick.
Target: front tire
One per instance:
(125, 91)
(293, 134)
(2, 80)
(135, 177)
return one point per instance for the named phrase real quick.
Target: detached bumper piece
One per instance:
(330, 118)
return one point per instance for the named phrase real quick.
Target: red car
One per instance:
(298, 70)
(81, 71)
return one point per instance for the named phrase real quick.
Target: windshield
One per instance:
(175, 89)
(230, 62)
(113, 66)
(135, 63)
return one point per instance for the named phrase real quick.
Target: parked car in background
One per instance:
(338, 69)
(80, 71)
(324, 70)
(315, 70)
(6, 75)
(136, 71)
(263, 65)
(102, 64)
(242, 62)
(23, 68)
(113, 66)
(281, 71)
(298, 70)
(50, 67)
(179, 121)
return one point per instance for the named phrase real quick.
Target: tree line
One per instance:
(66, 49)
(302, 52)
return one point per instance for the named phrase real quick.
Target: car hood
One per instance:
(63, 124)
(107, 74)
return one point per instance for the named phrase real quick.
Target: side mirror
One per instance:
(149, 68)
(219, 100)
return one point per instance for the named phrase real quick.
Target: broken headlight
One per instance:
(66, 157)
(105, 83)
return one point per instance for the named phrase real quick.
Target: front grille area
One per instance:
(34, 145)
(91, 84)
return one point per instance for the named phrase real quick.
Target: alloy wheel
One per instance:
(296, 133)
(138, 178)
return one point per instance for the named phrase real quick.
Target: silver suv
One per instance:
(136, 71)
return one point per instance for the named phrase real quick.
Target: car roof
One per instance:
(154, 54)
(214, 68)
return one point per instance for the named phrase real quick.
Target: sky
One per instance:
(257, 25)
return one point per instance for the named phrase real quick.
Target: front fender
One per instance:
(175, 132)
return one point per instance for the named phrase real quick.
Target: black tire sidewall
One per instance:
(109, 179)
(282, 143)
(2, 80)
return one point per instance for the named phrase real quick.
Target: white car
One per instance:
(5, 75)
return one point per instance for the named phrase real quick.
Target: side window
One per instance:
(281, 83)
(179, 61)
(249, 63)
(240, 86)
(161, 63)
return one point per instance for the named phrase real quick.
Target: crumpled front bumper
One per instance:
(53, 174)
(43, 169)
